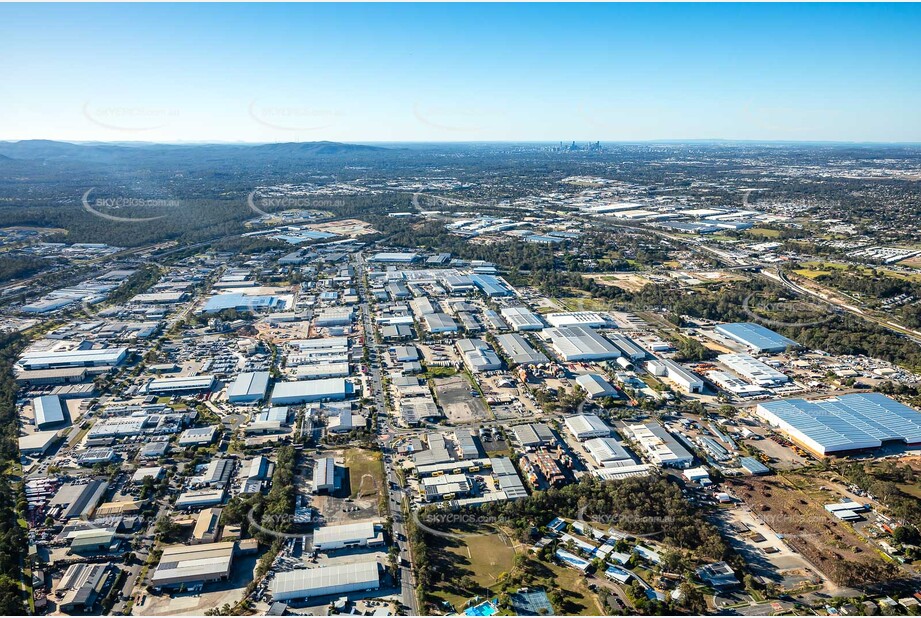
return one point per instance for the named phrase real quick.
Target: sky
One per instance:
(460, 72)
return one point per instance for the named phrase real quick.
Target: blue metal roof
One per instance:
(755, 336)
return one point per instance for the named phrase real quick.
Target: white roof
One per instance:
(305, 582)
(343, 533)
(580, 343)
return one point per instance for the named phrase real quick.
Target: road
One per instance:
(385, 430)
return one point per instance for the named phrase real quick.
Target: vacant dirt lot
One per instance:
(458, 404)
(792, 505)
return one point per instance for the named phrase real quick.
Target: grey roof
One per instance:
(250, 385)
(48, 410)
(579, 343)
(302, 583)
(519, 351)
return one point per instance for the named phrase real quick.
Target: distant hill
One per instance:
(49, 149)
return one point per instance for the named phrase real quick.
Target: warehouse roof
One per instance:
(191, 383)
(845, 423)
(604, 450)
(519, 351)
(102, 356)
(582, 424)
(190, 563)
(590, 319)
(577, 342)
(252, 384)
(327, 387)
(522, 318)
(301, 582)
(755, 336)
(595, 385)
(48, 410)
(344, 533)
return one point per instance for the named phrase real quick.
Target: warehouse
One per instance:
(519, 351)
(44, 377)
(684, 378)
(734, 384)
(629, 347)
(606, 451)
(756, 337)
(193, 564)
(105, 357)
(199, 498)
(198, 436)
(207, 526)
(324, 475)
(244, 302)
(82, 586)
(405, 353)
(49, 412)
(586, 426)
(342, 536)
(305, 391)
(440, 323)
(321, 371)
(478, 356)
(446, 487)
(37, 443)
(466, 445)
(595, 386)
(753, 370)
(491, 286)
(533, 435)
(660, 446)
(249, 387)
(842, 424)
(495, 320)
(333, 316)
(326, 581)
(180, 385)
(588, 319)
(77, 500)
(522, 319)
(394, 258)
(576, 343)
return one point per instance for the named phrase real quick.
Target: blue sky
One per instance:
(456, 72)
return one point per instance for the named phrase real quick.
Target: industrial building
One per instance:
(519, 351)
(522, 319)
(846, 423)
(193, 564)
(249, 387)
(198, 436)
(607, 451)
(753, 370)
(588, 319)
(326, 581)
(439, 323)
(82, 586)
(37, 443)
(478, 356)
(321, 371)
(57, 359)
(342, 536)
(49, 413)
(661, 446)
(445, 487)
(207, 526)
(756, 337)
(491, 286)
(200, 498)
(628, 347)
(305, 391)
(576, 343)
(586, 426)
(533, 435)
(180, 385)
(684, 378)
(595, 386)
(324, 475)
(77, 500)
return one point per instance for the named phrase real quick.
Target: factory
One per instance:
(181, 565)
(324, 476)
(249, 387)
(519, 351)
(82, 586)
(198, 436)
(586, 426)
(753, 370)
(756, 337)
(576, 343)
(661, 446)
(533, 435)
(306, 391)
(437, 323)
(344, 536)
(446, 487)
(491, 286)
(58, 359)
(522, 319)
(588, 319)
(478, 356)
(843, 424)
(326, 581)
(49, 413)
(77, 500)
(687, 380)
(607, 452)
(595, 386)
(180, 385)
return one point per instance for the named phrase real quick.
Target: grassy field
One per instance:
(763, 232)
(366, 471)
(439, 372)
(482, 558)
